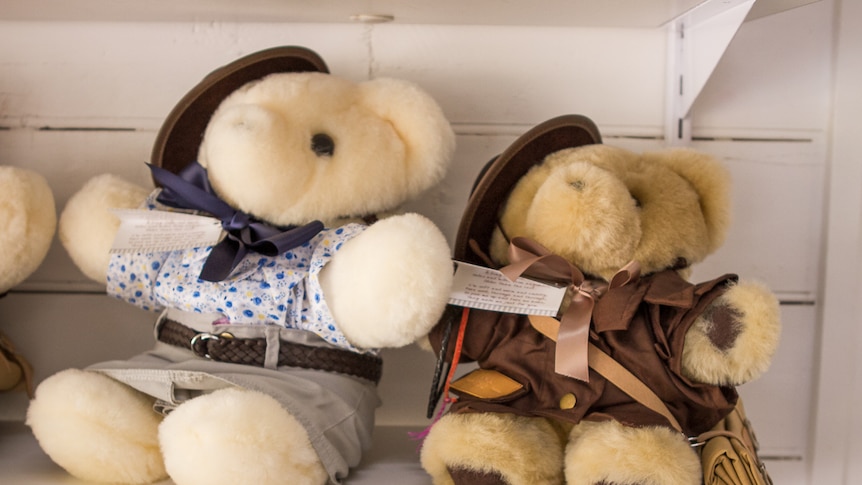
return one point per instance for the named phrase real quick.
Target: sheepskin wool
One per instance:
(737, 364)
(524, 451)
(240, 438)
(29, 220)
(362, 317)
(600, 209)
(97, 429)
(87, 226)
(397, 131)
(283, 144)
(612, 453)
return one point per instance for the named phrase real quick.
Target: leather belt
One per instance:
(224, 347)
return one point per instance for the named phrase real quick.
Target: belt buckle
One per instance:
(204, 336)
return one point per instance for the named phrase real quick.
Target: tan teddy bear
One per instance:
(621, 230)
(266, 362)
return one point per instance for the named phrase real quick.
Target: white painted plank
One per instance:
(620, 13)
(68, 74)
(838, 427)
(61, 331)
(110, 73)
(764, 211)
(777, 215)
(775, 74)
(501, 80)
(524, 75)
(68, 159)
(445, 203)
(787, 472)
(779, 404)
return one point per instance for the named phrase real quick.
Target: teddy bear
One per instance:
(29, 221)
(620, 230)
(266, 357)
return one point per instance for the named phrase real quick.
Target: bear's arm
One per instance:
(87, 226)
(732, 342)
(133, 277)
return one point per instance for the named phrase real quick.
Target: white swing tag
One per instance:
(488, 289)
(149, 230)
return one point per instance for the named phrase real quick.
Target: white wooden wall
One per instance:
(77, 99)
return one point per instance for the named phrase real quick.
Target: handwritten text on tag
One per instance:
(488, 289)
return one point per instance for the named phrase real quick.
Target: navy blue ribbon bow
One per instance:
(190, 189)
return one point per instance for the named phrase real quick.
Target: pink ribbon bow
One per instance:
(529, 258)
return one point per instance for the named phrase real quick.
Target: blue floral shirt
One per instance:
(282, 290)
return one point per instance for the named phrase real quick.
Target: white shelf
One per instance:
(563, 13)
(392, 459)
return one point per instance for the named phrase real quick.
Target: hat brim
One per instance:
(499, 177)
(180, 136)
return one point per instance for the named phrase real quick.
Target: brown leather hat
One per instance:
(501, 174)
(180, 136)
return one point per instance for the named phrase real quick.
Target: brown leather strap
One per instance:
(627, 382)
(252, 351)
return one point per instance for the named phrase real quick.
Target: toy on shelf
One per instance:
(266, 361)
(620, 230)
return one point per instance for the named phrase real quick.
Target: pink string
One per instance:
(421, 435)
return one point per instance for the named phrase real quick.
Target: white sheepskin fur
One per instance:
(759, 327)
(235, 436)
(29, 219)
(612, 453)
(96, 428)
(403, 257)
(525, 451)
(391, 142)
(87, 226)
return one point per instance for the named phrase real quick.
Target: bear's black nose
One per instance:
(322, 145)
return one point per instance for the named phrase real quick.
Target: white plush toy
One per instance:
(28, 219)
(265, 364)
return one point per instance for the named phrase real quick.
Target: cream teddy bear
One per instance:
(621, 231)
(29, 220)
(266, 364)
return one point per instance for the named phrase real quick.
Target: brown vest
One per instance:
(650, 318)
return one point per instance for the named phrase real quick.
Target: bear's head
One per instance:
(284, 141)
(599, 206)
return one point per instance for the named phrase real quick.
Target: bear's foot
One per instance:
(97, 428)
(237, 436)
(609, 453)
(501, 449)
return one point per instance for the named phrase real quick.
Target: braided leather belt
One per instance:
(225, 347)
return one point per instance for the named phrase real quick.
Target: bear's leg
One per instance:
(493, 449)
(236, 436)
(97, 428)
(610, 453)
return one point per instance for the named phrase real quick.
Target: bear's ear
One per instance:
(420, 123)
(711, 181)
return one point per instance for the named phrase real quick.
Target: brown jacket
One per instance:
(651, 315)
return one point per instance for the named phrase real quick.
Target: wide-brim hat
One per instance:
(181, 134)
(500, 175)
